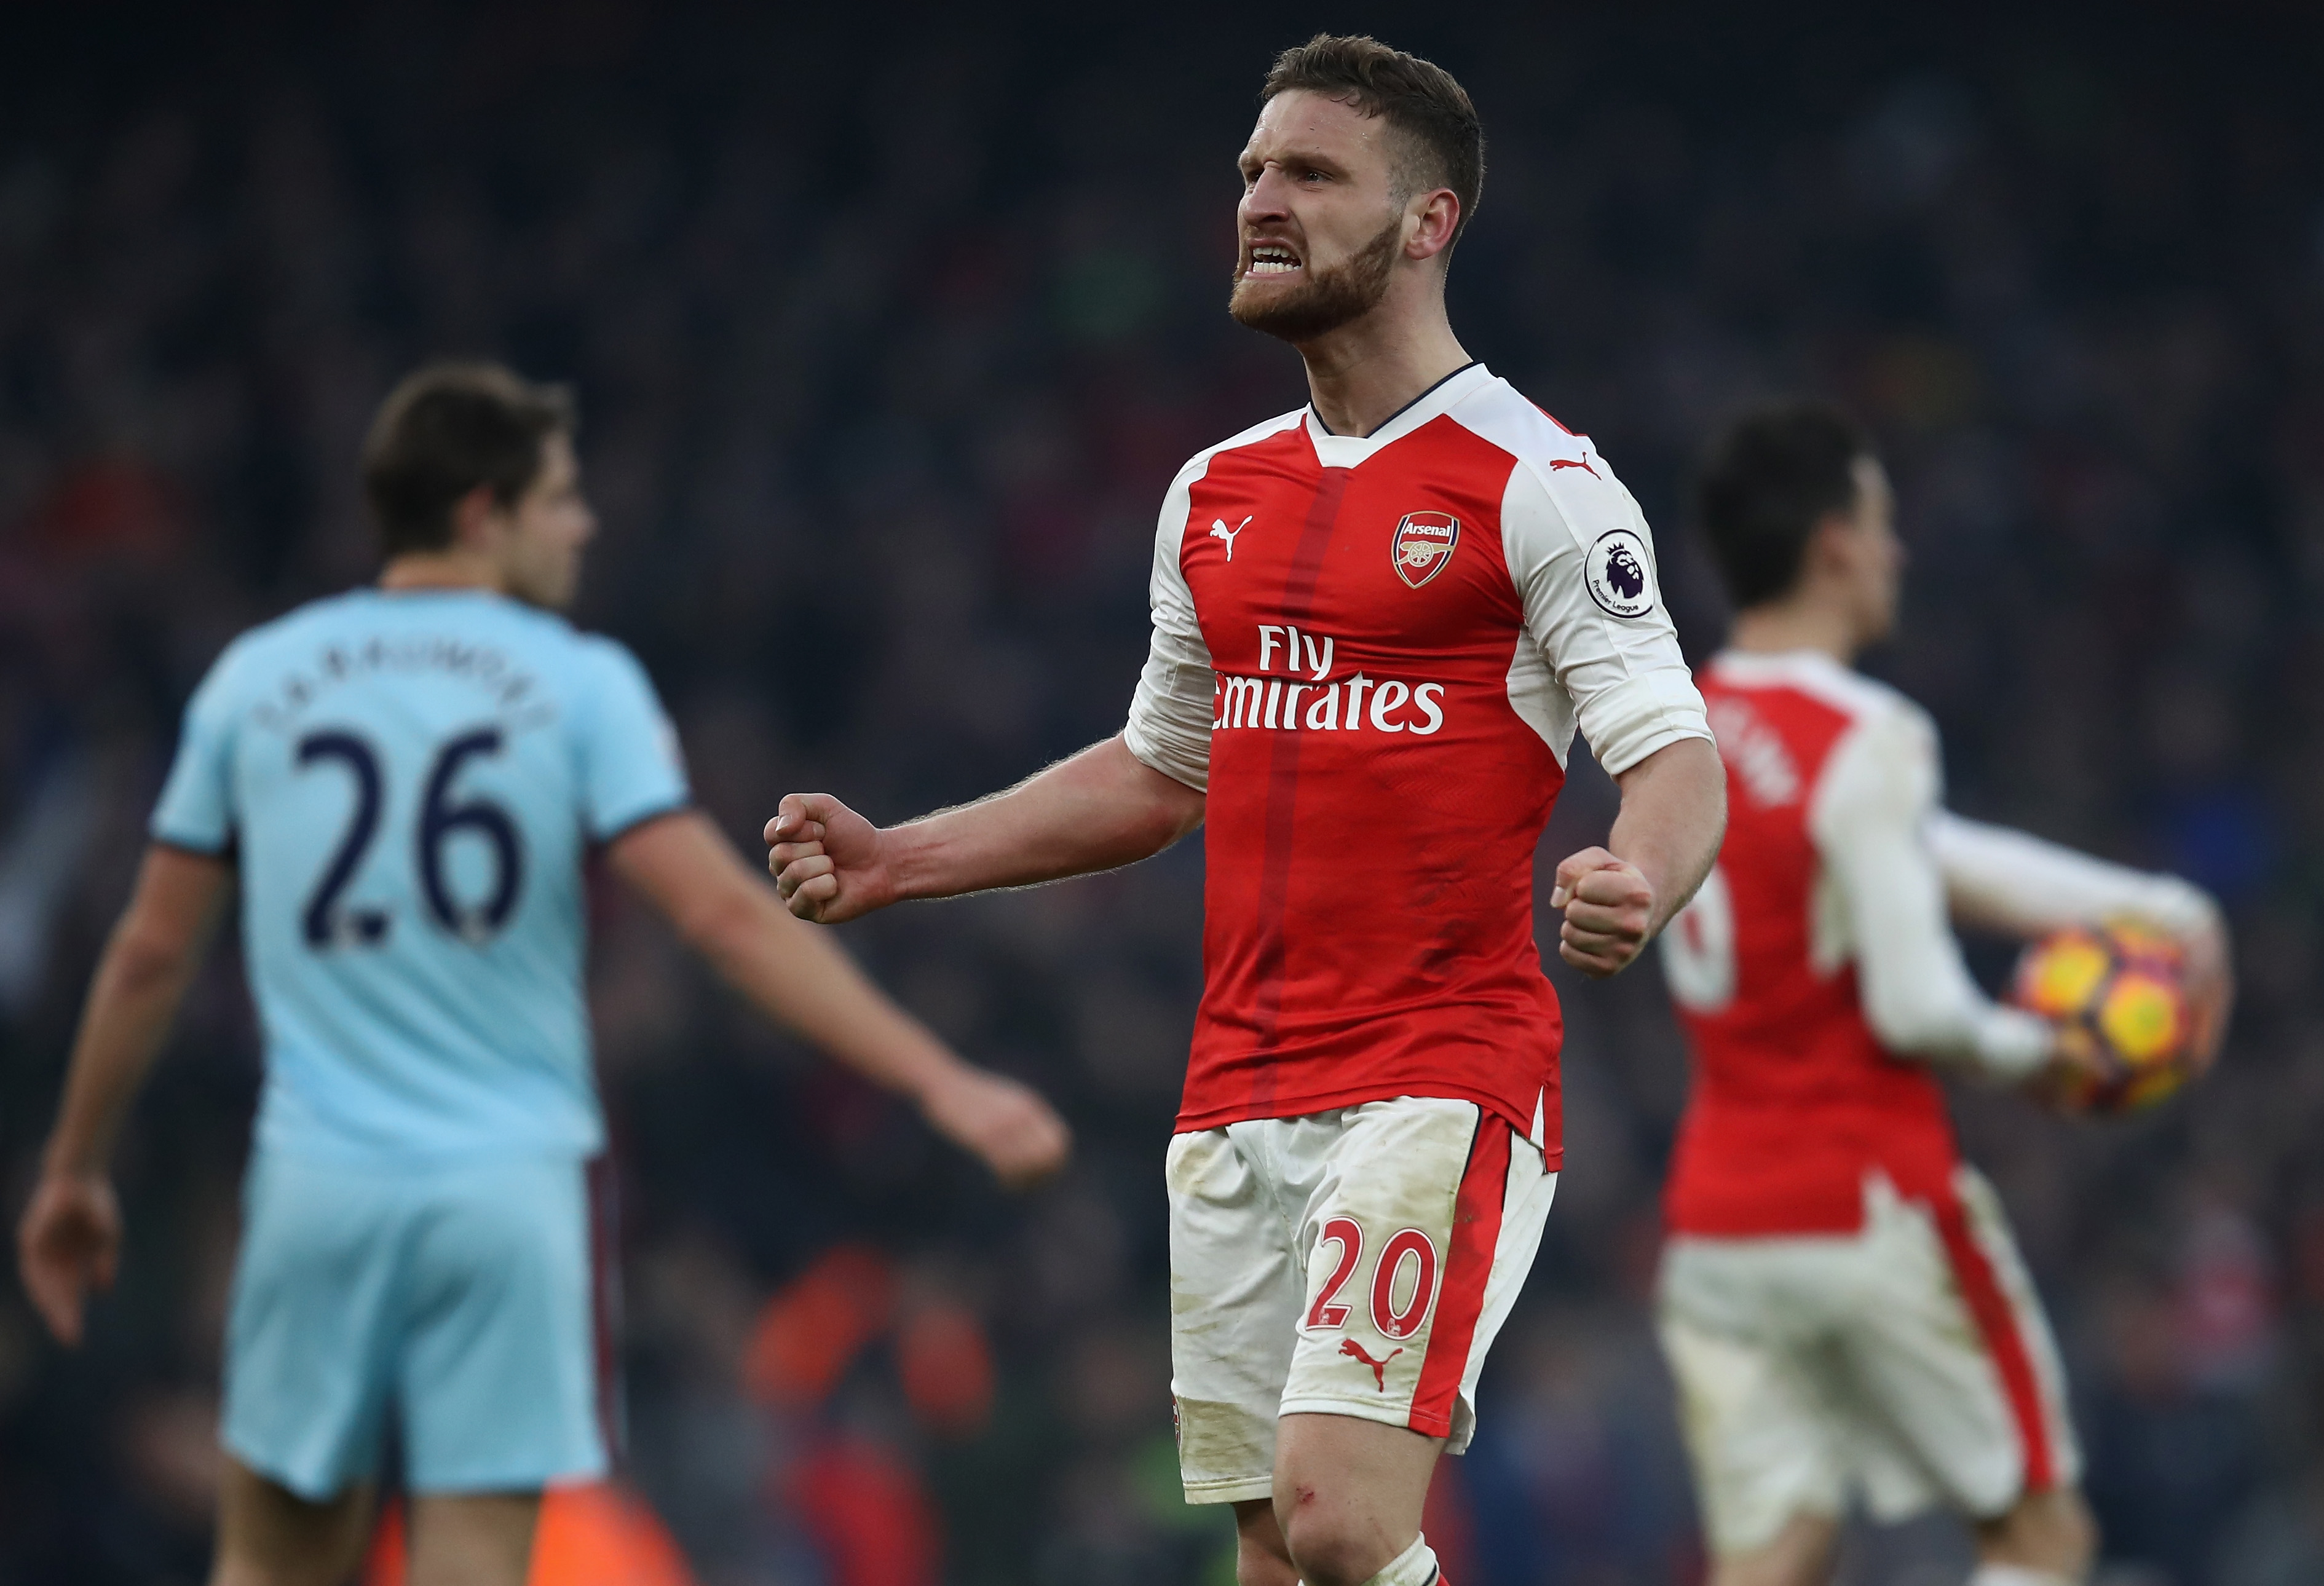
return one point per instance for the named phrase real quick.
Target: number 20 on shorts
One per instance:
(1407, 1248)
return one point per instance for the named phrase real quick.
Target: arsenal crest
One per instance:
(1423, 545)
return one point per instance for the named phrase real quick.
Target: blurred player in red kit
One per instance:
(1840, 1300)
(1378, 621)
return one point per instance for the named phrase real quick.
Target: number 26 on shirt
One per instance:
(326, 923)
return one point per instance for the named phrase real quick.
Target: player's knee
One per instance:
(232, 1569)
(1756, 1571)
(1256, 1566)
(1800, 1554)
(270, 1536)
(2079, 1529)
(1262, 1559)
(2051, 1531)
(1337, 1549)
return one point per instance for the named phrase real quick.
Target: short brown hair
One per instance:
(1417, 97)
(1769, 478)
(445, 430)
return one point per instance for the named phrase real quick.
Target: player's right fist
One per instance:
(1609, 910)
(826, 859)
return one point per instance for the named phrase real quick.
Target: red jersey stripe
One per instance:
(1283, 778)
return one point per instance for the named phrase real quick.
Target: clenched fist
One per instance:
(1610, 911)
(826, 859)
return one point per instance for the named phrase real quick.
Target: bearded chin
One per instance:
(1328, 300)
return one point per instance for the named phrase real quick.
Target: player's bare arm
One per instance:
(1618, 897)
(69, 1240)
(1100, 810)
(803, 980)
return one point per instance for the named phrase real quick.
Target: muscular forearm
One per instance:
(1673, 817)
(1618, 897)
(70, 1236)
(800, 977)
(796, 975)
(138, 983)
(1101, 809)
(131, 1003)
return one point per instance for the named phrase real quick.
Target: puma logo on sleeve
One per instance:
(1350, 1348)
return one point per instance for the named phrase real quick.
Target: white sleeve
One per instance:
(1171, 714)
(1872, 821)
(2007, 881)
(1619, 663)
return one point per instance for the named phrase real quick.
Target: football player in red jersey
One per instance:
(1378, 621)
(1840, 1300)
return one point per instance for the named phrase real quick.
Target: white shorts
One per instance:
(1352, 1263)
(1908, 1364)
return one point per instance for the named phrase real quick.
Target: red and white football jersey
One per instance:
(1373, 653)
(1795, 1098)
(1816, 970)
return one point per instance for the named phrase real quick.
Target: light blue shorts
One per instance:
(458, 1298)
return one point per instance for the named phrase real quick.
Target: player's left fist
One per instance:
(1016, 1134)
(1610, 911)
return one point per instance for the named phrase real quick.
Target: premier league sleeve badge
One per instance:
(1620, 574)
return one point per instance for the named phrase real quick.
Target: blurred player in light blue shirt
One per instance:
(409, 781)
(405, 782)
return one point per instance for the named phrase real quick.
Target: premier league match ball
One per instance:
(2121, 989)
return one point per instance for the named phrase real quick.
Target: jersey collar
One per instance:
(1347, 451)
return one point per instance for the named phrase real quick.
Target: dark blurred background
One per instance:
(889, 329)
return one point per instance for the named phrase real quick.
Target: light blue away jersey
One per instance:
(409, 782)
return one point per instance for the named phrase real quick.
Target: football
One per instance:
(2123, 987)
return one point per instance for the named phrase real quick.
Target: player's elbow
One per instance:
(723, 923)
(1170, 816)
(144, 956)
(1160, 804)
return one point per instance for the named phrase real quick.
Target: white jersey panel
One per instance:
(1879, 896)
(2010, 881)
(1170, 715)
(1600, 650)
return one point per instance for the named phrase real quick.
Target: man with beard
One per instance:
(1378, 621)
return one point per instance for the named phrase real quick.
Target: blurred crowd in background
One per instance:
(888, 334)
